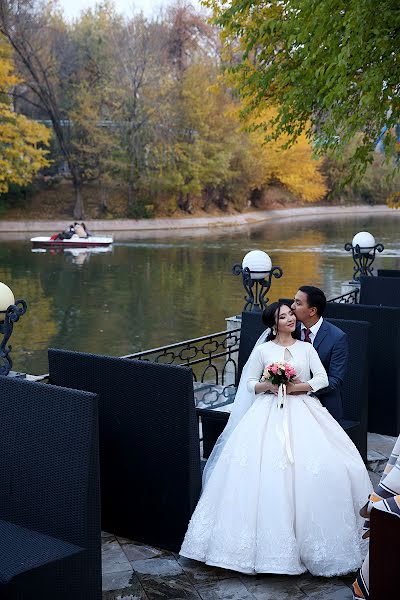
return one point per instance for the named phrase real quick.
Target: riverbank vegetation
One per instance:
(151, 117)
(23, 142)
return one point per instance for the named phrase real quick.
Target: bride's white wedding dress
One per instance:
(285, 493)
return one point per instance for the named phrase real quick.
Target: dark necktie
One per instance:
(307, 335)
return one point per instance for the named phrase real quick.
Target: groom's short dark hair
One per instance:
(315, 298)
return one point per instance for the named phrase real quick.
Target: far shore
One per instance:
(19, 229)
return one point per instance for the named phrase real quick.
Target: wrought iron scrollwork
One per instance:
(362, 260)
(11, 316)
(348, 298)
(212, 357)
(257, 289)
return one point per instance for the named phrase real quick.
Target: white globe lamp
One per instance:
(257, 272)
(365, 241)
(258, 263)
(6, 299)
(10, 312)
(363, 249)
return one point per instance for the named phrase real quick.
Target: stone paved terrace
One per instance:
(133, 571)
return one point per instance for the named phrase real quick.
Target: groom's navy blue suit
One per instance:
(333, 350)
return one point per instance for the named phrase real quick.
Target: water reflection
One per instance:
(78, 256)
(159, 289)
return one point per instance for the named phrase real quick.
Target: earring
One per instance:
(273, 331)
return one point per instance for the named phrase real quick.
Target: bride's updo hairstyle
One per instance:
(270, 317)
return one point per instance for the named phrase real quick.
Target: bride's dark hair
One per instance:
(270, 317)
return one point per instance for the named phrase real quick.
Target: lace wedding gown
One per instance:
(284, 495)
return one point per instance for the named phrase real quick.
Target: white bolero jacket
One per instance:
(301, 355)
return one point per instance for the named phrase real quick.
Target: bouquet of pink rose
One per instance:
(279, 373)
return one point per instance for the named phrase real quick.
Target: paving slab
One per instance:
(168, 587)
(200, 573)
(136, 551)
(274, 587)
(323, 588)
(227, 589)
(113, 557)
(123, 584)
(156, 566)
(383, 444)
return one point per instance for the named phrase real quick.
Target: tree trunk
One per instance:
(187, 206)
(133, 167)
(103, 199)
(79, 209)
(222, 201)
(208, 198)
(131, 188)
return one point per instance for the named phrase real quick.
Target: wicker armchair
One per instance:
(383, 362)
(149, 442)
(50, 535)
(380, 291)
(388, 272)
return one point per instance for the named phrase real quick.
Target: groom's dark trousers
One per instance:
(333, 350)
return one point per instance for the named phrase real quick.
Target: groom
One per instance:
(329, 341)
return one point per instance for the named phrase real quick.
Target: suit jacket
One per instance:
(333, 350)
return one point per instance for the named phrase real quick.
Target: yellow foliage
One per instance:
(20, 154)
(394, 200)
(294, 167)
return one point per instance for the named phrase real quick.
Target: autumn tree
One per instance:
(91, 99)
(137, 46)
(189, 37)
(22, 141)
(35, 33)
(292, 165)
(57, 85)
(331, 68)
(189, 46)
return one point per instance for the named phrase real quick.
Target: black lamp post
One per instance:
(363, 249)
(10, 312)
(257, 272)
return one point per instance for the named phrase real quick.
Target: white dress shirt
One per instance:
(313, 330)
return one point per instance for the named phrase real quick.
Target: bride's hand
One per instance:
(270, 388)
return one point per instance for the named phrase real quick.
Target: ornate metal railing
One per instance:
(212, 357)
(348, 298)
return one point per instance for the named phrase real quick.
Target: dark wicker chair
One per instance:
(355, 384)
(383, 362)
(355, 390)
(50, 534)
(380, 291)
(388, 272)
(384, 550)
(149, 442)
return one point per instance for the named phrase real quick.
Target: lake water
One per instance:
(169, 287)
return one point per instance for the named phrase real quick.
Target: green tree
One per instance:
(332, 68)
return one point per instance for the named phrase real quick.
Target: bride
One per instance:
(283, 487)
